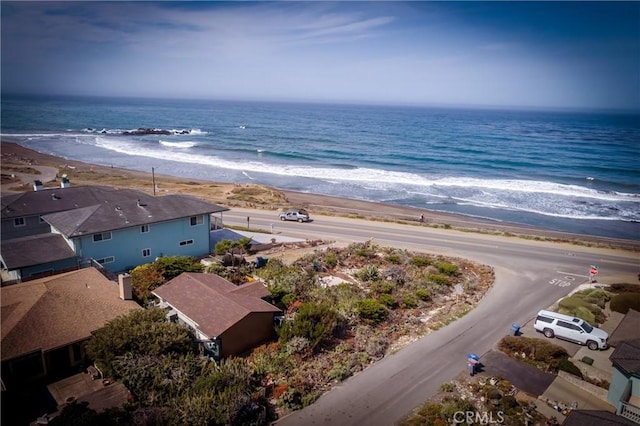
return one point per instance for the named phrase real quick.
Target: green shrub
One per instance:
(331, 259)
(541, 350)
(447, 268)
(596, 296)
(409, 301)
(224, 246)
(565, 365)
(455, 405)
(313, 321)
(423, 294)
(577, 306)
(388, 300)
(383, 287)
(339, 372)
(447, 387)
(420, 261)
(287, 299)
(441, 280)
(393, 258)
(624, 301)
(372, 310)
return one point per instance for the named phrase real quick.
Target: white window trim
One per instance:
(148, 250)
(143, 227)
(199, 220)
(186, 242)
(107, 259)
(19, 225)
(102, 234)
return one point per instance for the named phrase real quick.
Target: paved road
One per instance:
(530, 275)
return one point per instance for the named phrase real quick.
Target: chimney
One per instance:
(37, 185)
(124, 283)
(64, 183)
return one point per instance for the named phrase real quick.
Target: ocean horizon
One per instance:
(567, 171)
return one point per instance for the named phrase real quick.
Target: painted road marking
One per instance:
(575, 275)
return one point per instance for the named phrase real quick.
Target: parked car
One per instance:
(553, 324)
(295, 214)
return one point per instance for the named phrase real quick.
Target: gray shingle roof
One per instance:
(595, 418)
(212, 302)
(110, 208)
(51, 312)
(117, 210)
(61, 199)
(626, 357)
(34, 250)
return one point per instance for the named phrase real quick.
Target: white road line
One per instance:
(575, 275)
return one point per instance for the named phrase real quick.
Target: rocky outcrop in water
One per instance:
(148, 131)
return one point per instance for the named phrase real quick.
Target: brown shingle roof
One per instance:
(212, 302)
(55, 311)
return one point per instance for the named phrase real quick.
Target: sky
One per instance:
(583, 55)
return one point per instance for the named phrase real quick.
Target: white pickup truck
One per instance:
(296, 215)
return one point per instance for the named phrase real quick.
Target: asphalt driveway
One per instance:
(522, 375)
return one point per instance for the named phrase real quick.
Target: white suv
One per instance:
(553, 324)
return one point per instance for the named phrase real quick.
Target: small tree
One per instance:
(144, 279)
(373, 311)
(144, 331)
(313, 321)
(172, 266)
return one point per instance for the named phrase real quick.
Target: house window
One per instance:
(101, 237)
(144, 229)
(108, 259)
(186, 242)
(19, 221)
(196, 220)
(146, 252)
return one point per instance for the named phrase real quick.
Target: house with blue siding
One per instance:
(624, 391)
(118, 228)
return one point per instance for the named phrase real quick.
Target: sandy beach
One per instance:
(21, 166)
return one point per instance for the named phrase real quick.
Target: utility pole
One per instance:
(153, 178)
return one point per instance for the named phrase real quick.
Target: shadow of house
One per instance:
(227, 319)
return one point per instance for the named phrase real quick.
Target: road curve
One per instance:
(530, 275)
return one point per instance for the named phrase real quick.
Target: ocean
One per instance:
(576, 172)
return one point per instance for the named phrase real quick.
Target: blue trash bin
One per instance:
(515, 329)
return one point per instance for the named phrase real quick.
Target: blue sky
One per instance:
(527, 54)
